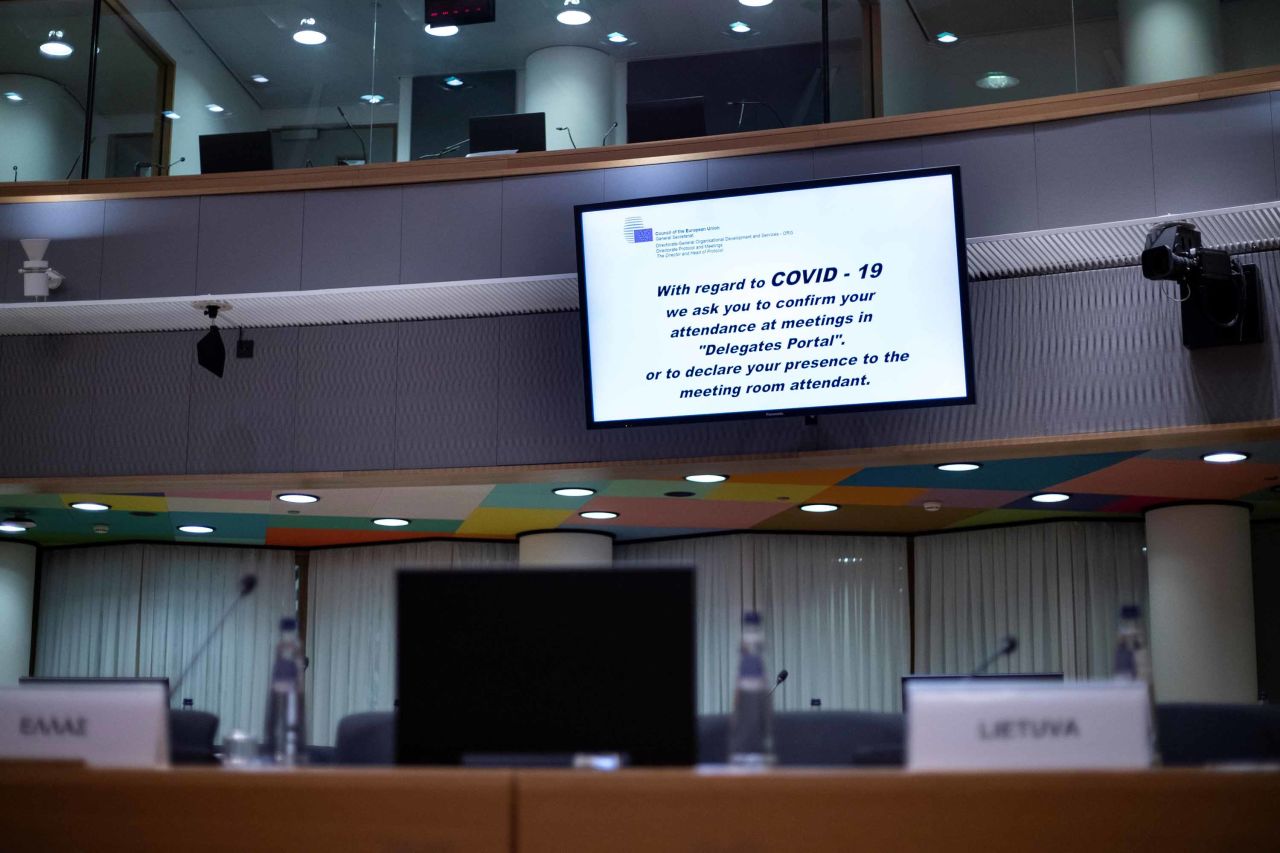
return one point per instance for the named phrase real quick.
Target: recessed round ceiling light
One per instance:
(453, 81)
(1224, 456)
(195, 528)
(598, 514)
(932, 506)
(441, 32)
(573, 14)
(574, 492)
(617, 38)
(308, 35)
(215, 108)
(10, 527)
(947, 38)
(56, 47)
(391, 522)
(297, 498)
(818, 507)
(1050, 498)
(170, 114)
(755, 2)
(955, 467)
(90, 506)
(997, 80)
(13, 96)
(706, 478)
(259, 78)
(740, 27)
(372, 99)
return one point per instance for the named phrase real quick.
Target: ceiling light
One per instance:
(308, 35)
(195, 529)
(13, 96)
(297, 498)
(215, 108)
(598, 514)
(932, 506)
(818, 507)
(574, 492)
(1050, 498)
(573, 14)
(706, 478)
(90, 506)
(372, 99)
(391, 522)
(755, 2)
(1224, 456)
(617, 38)
(56, 47)
(170, 114)
(17, 524)
(947, 38)
(453, 81)
(259, 78)
(8, 526)
(955, 467)
(739, 27)
(997, 80)
(441, 32)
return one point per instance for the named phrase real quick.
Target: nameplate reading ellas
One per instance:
(1013, 725)
(102, 725)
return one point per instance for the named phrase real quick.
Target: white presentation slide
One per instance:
(817, 297)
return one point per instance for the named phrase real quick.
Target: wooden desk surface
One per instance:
(57, 808)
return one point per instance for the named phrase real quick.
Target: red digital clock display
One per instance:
(442, 13)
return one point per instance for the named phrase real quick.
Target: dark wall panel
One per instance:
(782, 168)
(537, 221)
(1096, 169)
(250, 243)
(351, 238)
(149, 248)
(997, 176)
(142, 387)
(76, 251)
(46, 404)
(449, 232)
(890, 156)
(660, 179)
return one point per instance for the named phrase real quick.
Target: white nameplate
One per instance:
(118, 725)
(1012, 725)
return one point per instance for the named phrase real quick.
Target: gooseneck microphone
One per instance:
(567, 130)
(605, 138)
(1007, 647)
(364, 152)
(248, 584)
(782, 676)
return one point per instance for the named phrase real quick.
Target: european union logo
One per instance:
(643, 235)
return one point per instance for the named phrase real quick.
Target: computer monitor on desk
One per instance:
(670, 118)
(508, 133)
(537, 665)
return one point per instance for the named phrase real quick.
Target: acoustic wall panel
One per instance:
(537, 220)
(351, 238)
(452, 232)
(659, 179)
(141, 396)
(1096, 169)
(75, 227)
(149, 247)
(997, 177)
(46, 405)
(250, 243)
(890, 156)
(781, 168)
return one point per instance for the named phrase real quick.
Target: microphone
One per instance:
(364, 152)
(443, 151)
(743, 107)
(1007, 647)
(605, 138)
(782, 676)
(570, 132)
(248, 584)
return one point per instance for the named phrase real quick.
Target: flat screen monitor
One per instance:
(537, 665)
(986, 679)
(671, 118)
(515, 132)
(822, 296)
(236, 152)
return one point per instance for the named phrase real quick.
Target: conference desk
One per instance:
(55, 808)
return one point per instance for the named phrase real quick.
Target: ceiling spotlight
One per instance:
(56, 46)
(955, 467)
(453, 81)
(195, 529)
(13, 96)
(932, 506)
(308, 34)
(573, 14)
(7, 526)
(259, 78)
(18, 523)
(997, 80)
(706, 478)
(740, 27)
(599, 514)
(1225, 456)
(617, 38)
(101, 529)
(90, 506)
(947, 38)
(170, 114)
(574, 492)
(818, 507)
(372, 99)
(297, 498)
(391, 522)
(755, 2)
(211, 354)
(441, 32)
(1050, 498)
(215, 108)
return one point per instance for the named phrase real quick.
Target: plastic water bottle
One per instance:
(286, 730)
(751, 726)
(1133, 663)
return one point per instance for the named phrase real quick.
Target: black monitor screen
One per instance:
(533, 666)
(672, 118)
(236, 152)
(515, 132)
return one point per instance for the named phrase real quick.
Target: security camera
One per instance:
(38, 278)
(1219, 295)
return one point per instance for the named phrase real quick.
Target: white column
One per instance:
(574, 87)
(404, 120)
(1170, 39)
(1200, 576)
(17, 600)
(567, 548)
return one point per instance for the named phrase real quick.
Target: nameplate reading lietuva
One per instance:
(103, 725)
(1012, 725)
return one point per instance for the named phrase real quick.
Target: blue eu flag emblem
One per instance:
(644, 235)
(633, 230)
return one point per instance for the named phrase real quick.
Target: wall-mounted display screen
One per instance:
(792, 299)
